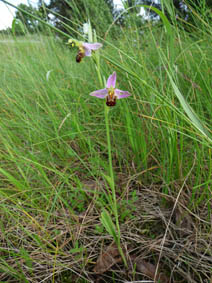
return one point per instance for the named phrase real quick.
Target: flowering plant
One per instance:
(110, 92)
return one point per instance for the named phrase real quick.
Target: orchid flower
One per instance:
(110, 92)
(85, 49)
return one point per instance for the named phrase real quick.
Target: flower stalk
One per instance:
(112, 186)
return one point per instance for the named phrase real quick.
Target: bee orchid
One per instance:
(110, 92)
(85, 49)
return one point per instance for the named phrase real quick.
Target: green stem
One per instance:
(110, 155)
(114, 205)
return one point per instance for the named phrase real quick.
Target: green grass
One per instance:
(53, 154)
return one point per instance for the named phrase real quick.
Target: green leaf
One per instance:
(13, 180)
(109, 225)
(162, 16)
(13, 26)
(18, 24)
(189, 111)
(109, 180)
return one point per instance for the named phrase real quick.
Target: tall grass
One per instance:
(53, 149)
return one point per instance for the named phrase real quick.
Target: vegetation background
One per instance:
(54, 152)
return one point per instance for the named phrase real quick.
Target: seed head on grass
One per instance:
(110, 92)
(84, 48)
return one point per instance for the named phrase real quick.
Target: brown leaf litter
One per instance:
(111, 256)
